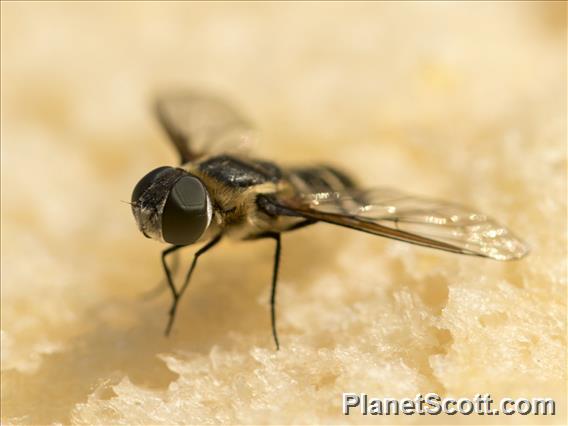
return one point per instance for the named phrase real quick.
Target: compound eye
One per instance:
(146, 182)
(186, 213)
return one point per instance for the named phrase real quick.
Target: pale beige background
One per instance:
(459, 101)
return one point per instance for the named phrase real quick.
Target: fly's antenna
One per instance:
(132, 204)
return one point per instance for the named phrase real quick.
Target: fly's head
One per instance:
(171, 205)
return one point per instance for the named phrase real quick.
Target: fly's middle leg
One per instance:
(277, 238)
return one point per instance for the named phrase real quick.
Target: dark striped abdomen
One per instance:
(308, 180)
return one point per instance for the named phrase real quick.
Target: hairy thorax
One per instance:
(234, 184)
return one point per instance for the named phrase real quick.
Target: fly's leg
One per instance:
(276, 237)
(169, 279)
(163, 284)
(175, 294)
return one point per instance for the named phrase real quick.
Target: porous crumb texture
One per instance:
(460, 101)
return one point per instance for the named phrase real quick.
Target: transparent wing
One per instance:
(416, 220)
(198, 124)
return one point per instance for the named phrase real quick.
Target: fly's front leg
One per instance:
(163, 285)
(169, 278)
(177, 295)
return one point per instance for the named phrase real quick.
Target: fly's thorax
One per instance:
(228, 194)
(234, 183)
(171, 205)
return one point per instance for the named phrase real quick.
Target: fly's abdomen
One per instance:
(308, 180)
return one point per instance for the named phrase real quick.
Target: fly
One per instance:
(219, 191)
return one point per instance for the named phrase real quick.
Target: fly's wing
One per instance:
(416, 220)
(198, 124)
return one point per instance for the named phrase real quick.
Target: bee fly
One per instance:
(219, 191)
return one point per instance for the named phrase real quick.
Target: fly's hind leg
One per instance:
(176, 295)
